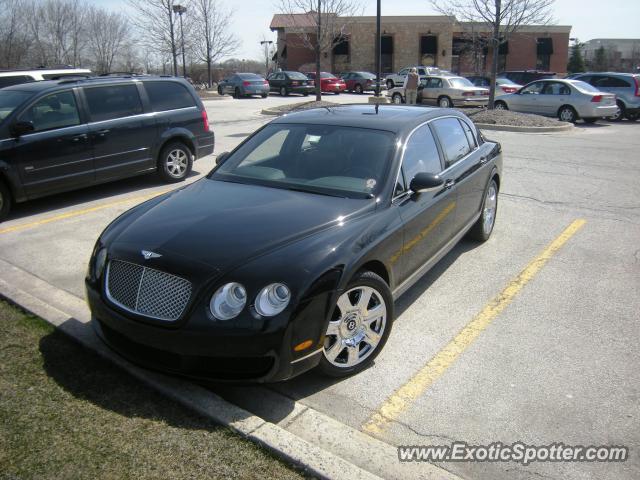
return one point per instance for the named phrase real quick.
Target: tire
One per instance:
(445, 102)
(620, 113)
(357, 332)
(358, 89)
(5, 200)
(500, 105)
(265, 95)
(397, 99)
(236, 93)
(337, 93)
(481, 230)
(632, 117)
(220, 92)
(284, 92)
(590, 120)
(175, 162)
(305, 94)
(567, 113)
(390, 84)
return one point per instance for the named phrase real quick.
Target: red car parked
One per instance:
(329, 82)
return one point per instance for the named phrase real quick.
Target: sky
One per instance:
(589, 18)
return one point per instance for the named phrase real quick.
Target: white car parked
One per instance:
(569, 100)
(397, 79)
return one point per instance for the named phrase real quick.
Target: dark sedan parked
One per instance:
(290, 253)
(243, 85)
(290, 82)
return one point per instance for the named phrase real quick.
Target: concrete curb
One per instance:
(271, 111)
(284, 444)
(513, 128)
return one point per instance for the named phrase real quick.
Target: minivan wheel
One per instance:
(359, 327)
(620, 112)
(5, 200)
(481, 230)
(283, 91)
(175, 162)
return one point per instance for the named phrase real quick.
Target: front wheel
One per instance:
(500, 106)
(5, 200)
(445, 102)
(175, 162)
(236, 93)
(567, 114)
(358, 88)
(397, 98)
(481, 230)
(359, 327)
(632, 117)
(220, 92)
(283, 91)
(620, 112)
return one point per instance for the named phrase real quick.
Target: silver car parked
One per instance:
(244, 85)
(569, 100)
(625, 86)
(445, 92)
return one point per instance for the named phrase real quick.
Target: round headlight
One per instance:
(273, 299)
(100, 261)
(228, 301)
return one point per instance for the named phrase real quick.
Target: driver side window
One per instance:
(420, 154)
(534, 88)
(58, 110)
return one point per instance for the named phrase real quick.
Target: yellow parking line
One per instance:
(402, 398)
(76, 213)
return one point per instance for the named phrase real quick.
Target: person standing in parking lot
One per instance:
(411, 86)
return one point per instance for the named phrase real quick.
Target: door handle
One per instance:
(77, 138)
(484, 160)
(449, 183)
(102, 133)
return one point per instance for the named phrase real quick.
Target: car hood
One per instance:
(225, 224)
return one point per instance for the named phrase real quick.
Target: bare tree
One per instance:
(156, 22)
(501, 17)
(109, 32)
(329, 20)
(213, 37)
(14, 40)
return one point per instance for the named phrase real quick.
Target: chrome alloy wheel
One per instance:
(489, 211)
(357, 327)
(567, 115)
(177, 163)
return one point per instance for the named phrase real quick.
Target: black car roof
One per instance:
(41, 86)
(392, 118)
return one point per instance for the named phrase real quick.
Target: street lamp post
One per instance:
(266, 44)
(378, 50)
(180, 9)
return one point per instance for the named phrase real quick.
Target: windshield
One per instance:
(584, 86)
(249, 76)
(9, 100)
(297, 76)
(325, 159)
(460, 82)
(326, 75)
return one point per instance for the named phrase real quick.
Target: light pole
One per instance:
(266, 44)
(378, 49)
(180, 9)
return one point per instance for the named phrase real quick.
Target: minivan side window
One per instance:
(452, 138)
(113, 101)
(610, 82)
(168, 96)
(421, 154)
(57, 110)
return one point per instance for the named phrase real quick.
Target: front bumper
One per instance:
(335, 87)
(220, 354)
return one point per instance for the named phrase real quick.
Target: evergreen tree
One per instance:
(600, 60)
(576, 62)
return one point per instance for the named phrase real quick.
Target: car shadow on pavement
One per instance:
(87, 376)
(105, 191)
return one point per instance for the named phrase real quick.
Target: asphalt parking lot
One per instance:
(529, 337)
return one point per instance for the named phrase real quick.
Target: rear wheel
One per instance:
(359, 327)
(445, 102)
(500, 105)
(397, 98)
(620, 112)
(283, 91)
(358, 88)
(264, 95)
(5, 200)
(175, 162)
(632, 117)
(220, 92)
(236, 93)
(481, 230)
(567, 114)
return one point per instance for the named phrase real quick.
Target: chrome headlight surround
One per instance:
(272, 299)
(228, 301)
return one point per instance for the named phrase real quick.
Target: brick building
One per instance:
(428, 40)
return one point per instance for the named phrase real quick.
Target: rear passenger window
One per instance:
(421, 154)
(168, 96)
(53, 111)
(610, 82)
(469, 133)
(452, 138)
(115, 101)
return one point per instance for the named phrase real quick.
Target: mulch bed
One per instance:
(505, 117)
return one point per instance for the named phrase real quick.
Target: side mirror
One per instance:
(221, 158)
(425, 182)
(21, 128)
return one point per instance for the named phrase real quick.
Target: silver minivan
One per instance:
(625, 86)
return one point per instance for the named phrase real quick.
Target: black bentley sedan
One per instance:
(290, 253)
